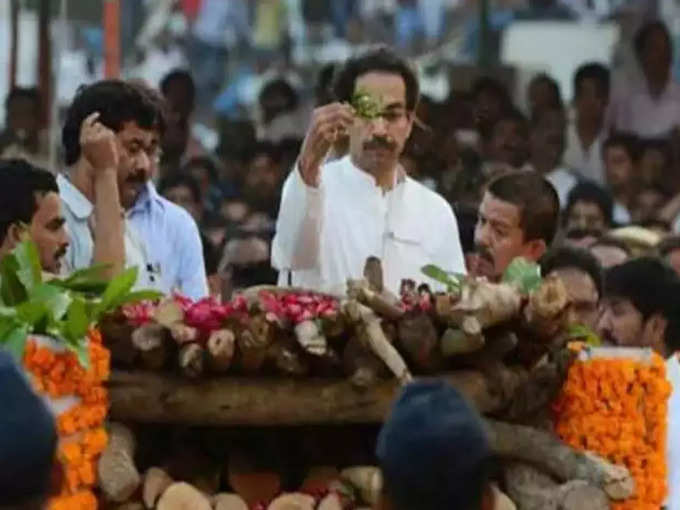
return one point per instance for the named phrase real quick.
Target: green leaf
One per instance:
(581, 331)
(115, 292)
(89, 281)
(523, 274)
(56, 300)
(14, 341)
(33, 313)
(366, 105)
(29, 271)
(451, 280)
(141, 295)
(77, 321)
(81, 351)
(6, 311)
(12, 290)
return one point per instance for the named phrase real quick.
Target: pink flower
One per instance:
(140, 313)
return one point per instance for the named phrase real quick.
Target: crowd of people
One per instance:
(592, 193)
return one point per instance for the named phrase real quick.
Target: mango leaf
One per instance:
(116, 291)
(89, 281)
(77, 321)
(80, 349)
(12, 291)
(7, 312)
(451, 280)
(523, 274)
(581, 331)
(33, 314)
(56, 300)
(14, 341)
(141, 295)
(29, 271)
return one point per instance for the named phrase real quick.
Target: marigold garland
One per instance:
(80, 428)
(618, 409)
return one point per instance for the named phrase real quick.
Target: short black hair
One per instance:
(552, 85)
(280, 86)
(117, 102)
(183, 76)
(661, 145)
(566, 257)
(30, 93)
(645, 31)
(20, 184)
(652, 287)
(668, 245)
(536, 199)
(175, 180)
(591, 192)
(203, 162)
(510, 114)
(627, 141)
(378, 59)
(492, 85)
(593, 71)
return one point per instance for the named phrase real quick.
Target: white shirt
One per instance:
(324, 235)
(563, 180)
(673, 439)
(621, 216)
(639, 113)
(588, 162)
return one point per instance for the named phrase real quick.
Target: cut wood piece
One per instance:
(384, 303)
(546, 313)
(150, 340)
(490, 303)
(192, 360)
(464, 340)
(118, 476)
(293, 502)
(287, 358)
(154, 397)
(319, 478)
(221, 348)
(419, 340)
(367, 480)
(182, 496)
(362, 368)
(330, 502)
(333, 325)
(229, 502)
(254, 342)
(117, 335)
(183, 334)
(168, 313)
(133, 505)
(501, 500)
(373, 273)
(310, 338)
(250, 483)
(156, 481)
(545, 451)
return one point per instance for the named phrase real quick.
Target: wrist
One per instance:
(309, 172)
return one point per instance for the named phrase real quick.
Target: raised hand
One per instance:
(98, 144)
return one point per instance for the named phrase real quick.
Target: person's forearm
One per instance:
(109, 230)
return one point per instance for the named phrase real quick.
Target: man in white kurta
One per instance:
(335, 215)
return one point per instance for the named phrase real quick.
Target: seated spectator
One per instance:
(490, 99)
(506, 144)
(518, 217)
(433, 452)
(543, 94)
(23, 137)
(235, 210)
(620, 153)
(204, 171)
(28, 442)
(279, 112)
(111, 137)
(183, 191)
(215, 230)
(610, 252)
(669, 250)
(581, 274)
(589, 207)
(31, 205)
(651, 107)
(587, 133)
(655, 165)
(263, 181)
(647, 203)
(546, 144)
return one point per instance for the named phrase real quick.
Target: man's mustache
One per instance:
(379, 142)
(483, 253)
(60, 253)
(138, 177)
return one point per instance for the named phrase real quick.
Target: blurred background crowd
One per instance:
(582, 91)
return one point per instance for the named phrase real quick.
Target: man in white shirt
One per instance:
(334, 216)
(651, 107)
(639, 309)
(586, 134)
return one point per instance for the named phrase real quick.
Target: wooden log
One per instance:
(543, 450)
(373, 273)
(156, 482)
(367, 480)
(293, 502)
(118, 476)
(331, 502)
(117, 335)
(419, 340)
(151, 342)
(287, 358)
(362, 368)
(182, 496)
(251, 483)
(310, 338)
(229, 502)
(152, 397)
(221, 347)
(192, 360)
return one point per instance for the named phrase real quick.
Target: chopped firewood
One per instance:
(489, 303)
(151, 341)
(383, 303)
(375, 339)
(533, 398)
(500, 500)
(168, 313)
(250, 483)
(182, 496)
(363, 368)
(419, 340)
(548, 307)
(543, 450)
(293, 502)
(333, 325)
(319, 479)
(328, 365)
(156, 481)
(118, 476)
(117, 335)
(497, 345)
(330, 502)
(310, 338)
(221, 347)
(252, 355)
(192, 360)
(464, 340)
(533, 490)
(288, 359)
(133, 505)
(229, 502)
(367, 480)
(183, 334)
(373, 273)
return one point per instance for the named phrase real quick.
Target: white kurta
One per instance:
(324, 235)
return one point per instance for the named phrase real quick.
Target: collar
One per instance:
(361, 175)
(147, 199)
(73, 199)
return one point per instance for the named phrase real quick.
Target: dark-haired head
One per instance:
(490, 100)
(589, 207)
(654, 51)
(591, 92)
(620, 153)
(22, 112)
(640, 307)
(507, 139)
(183, 190)
(544, 93)
(135, 114)
(179, 91)
(433, 450)
(277, 97)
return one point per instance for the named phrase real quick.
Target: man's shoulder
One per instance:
(424, 197)
(175, 214)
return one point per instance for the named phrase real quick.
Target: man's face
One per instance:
(656, 56)
(48, 232)
(23, 117)
(508, 143)
(646, 205)
(183, 197)
(488, 107)
(586, 216)
(591, 102)
(623, 325)
(619, 167)
(377, 143)
(582, 294)
(608, 255)
(499, 238)
(178, 99)
(653, 166)
(547, 139)
(138, 150)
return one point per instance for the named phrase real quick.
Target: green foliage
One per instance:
(524, 275)
(582, 332)
(61, 308)
(453, 281)
(366, 105)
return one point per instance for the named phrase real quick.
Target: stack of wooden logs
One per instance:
(501, 344)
